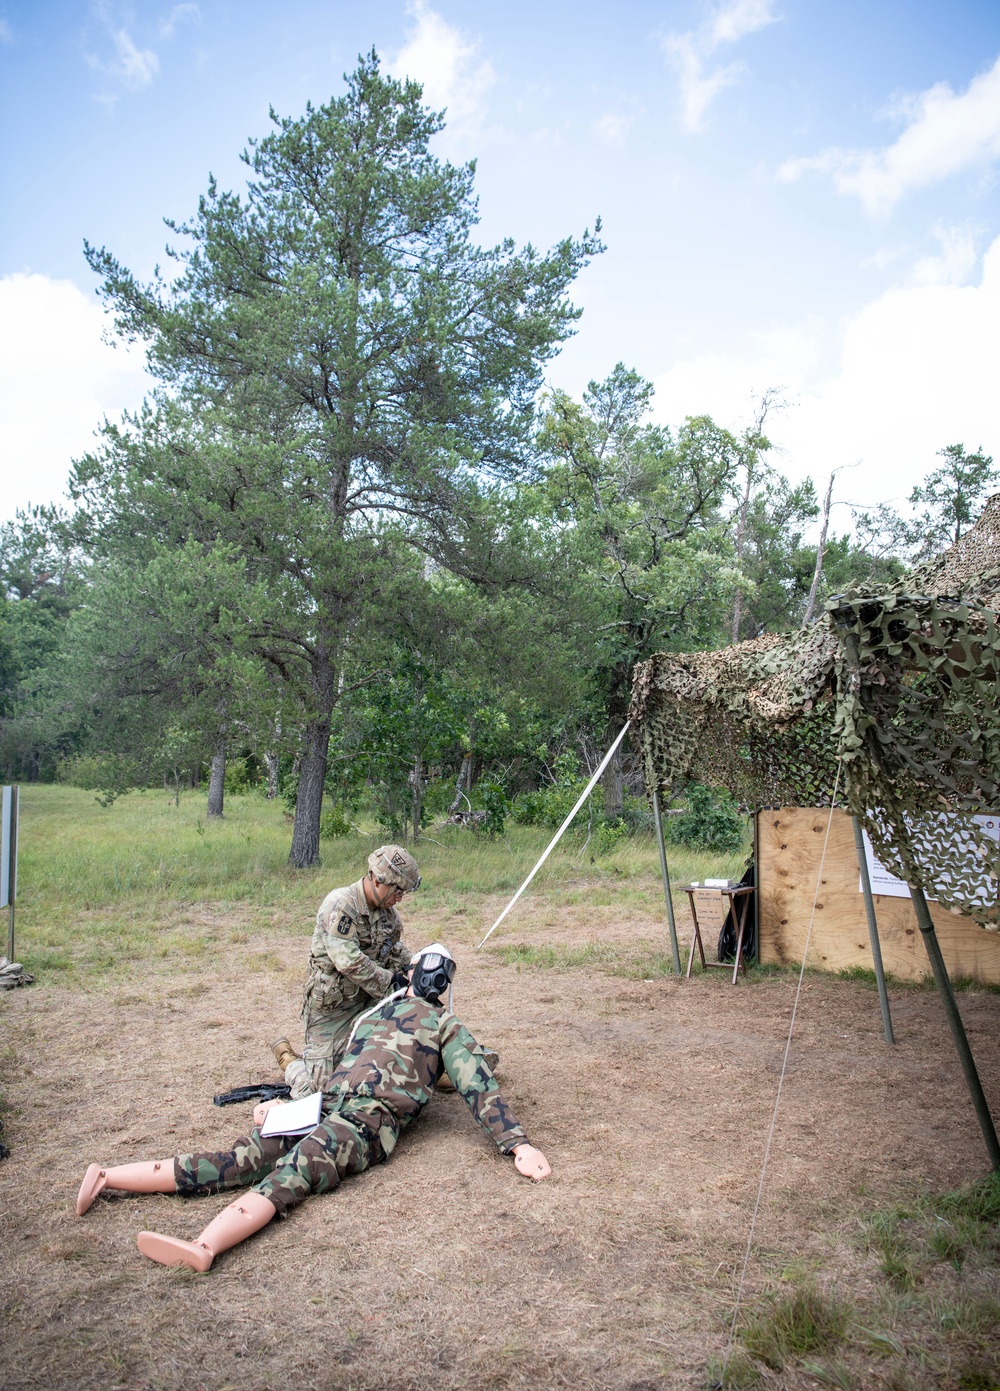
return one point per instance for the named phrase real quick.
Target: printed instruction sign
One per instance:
(885, 883)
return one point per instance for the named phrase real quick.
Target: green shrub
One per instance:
(334, 823)
(242, 774)
(493, 800)
(610, 835)
(710, 821)
(549, 806)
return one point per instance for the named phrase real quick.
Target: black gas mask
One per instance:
(433, 971)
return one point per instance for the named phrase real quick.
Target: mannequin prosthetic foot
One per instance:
(148, 1176)
(233, 1225)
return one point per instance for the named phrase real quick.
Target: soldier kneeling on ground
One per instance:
(357, 956)
(384, 1081)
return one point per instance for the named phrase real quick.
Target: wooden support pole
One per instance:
(664, 871)
(926, 926)
(866, 889)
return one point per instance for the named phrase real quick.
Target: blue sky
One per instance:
(795, 194)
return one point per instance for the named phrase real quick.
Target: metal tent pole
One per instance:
(658, 821)
(866, 888)
(926, 926)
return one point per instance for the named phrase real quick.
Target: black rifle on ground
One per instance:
(263, 1091)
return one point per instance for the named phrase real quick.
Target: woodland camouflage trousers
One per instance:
(284, 1168)
(327, 1032)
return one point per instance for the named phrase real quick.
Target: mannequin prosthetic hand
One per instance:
(531, 1163)
(262, 1108)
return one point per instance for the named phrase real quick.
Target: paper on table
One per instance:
(295, 1117)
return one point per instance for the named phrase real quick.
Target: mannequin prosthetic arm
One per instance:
(531, 1162)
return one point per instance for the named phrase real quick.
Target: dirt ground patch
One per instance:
(443, 1269)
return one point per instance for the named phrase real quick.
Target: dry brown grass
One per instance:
(443, 1271)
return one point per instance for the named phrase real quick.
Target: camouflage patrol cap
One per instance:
(393, 865)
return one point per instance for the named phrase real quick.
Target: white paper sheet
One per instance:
(294, 1117)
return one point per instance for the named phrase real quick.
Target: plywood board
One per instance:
(789, 850)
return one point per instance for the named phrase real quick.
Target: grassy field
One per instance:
(169, 950)
(96, 885)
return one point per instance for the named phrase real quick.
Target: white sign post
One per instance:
(8, 859)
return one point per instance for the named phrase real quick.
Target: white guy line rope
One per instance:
(781, 1079)
(558, 835)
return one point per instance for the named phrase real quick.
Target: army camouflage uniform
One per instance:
(356, 950)
(383, 1083)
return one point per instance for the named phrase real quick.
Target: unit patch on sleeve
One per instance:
(344, 926)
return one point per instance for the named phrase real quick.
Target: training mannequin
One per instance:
(385, 1080)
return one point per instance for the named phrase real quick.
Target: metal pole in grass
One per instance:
(947, 994)
(8, 859)
(866, 889)
(658, 821)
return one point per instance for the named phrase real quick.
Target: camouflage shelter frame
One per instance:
(887, 706)
(899, 686)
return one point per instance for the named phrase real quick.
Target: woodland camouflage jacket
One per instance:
(399, 1052)
(357, 943)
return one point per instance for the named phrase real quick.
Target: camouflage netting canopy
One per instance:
(900, 686)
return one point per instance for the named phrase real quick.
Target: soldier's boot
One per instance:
(233, 1225)
(284, 1052)
(148, 1176)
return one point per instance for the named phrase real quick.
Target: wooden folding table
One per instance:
(716, 904)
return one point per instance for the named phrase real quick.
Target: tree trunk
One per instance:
(462, 783)
(820, 553)
(611, 779)
(417, 783)
(272, 764)
(217, 781)
(309, 799)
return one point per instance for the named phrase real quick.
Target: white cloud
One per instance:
(6, 33)
(57, 381)
(136, 67)
(946, 134)
(916, 369)
(737, 20)
(955, 262)
(167, 27)
(131, 67)
(612, 127)
(437, 55)
(691, 52)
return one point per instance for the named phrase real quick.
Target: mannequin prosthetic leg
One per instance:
(233, 1225)
(148, 1176)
